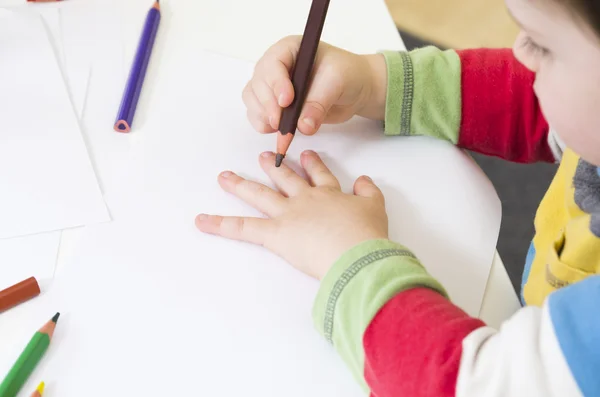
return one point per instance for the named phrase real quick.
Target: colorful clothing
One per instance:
(567, 231)
(394, 325)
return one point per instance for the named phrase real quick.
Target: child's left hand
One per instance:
(311, 223)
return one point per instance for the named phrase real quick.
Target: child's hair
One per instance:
(588, 10)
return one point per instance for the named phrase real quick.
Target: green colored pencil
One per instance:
(28, 360)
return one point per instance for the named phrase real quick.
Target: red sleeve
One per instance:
(501, 115)
(413, 345)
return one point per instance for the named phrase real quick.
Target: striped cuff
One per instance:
(423, 93)
(400, 93)
(360, 283)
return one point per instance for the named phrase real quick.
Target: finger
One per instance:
(253, 105)
(276, 66)
(365, 187)
(255, 110)
(267, 100)
(325, 91)
(251, 230)
(286, 180)
(277, 77)
(259, 125)
(317, 171)
(259, 196)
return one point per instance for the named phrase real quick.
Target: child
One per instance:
(390, 321)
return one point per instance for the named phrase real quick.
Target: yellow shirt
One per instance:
(566, 247)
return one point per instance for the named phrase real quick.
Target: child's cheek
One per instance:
(567, 109)
(549, 96)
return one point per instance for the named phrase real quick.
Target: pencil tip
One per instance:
(279, 160)
(55, 318)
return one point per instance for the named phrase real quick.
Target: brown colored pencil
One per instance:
(19, 293)
(301, 76)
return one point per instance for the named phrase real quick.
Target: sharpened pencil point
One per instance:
(279, 160)
(55, 318)
(40, 388)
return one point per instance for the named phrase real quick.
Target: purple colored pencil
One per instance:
(138, 71)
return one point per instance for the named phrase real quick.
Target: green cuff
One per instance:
(359, 284)
(423, 93)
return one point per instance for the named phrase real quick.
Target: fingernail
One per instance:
(309, 152)
(280, 99)
(226, 174)
(202, 217)
(266, 154)
(310, 122)
(271, 121)
(368, 178)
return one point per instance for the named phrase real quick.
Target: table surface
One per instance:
(500, 300)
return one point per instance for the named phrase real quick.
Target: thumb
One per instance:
(365, 187)
(322, 95)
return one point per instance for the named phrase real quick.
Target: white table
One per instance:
(351, 25)
(355, 27)
(241, 29)
(500, 301)
(244, 29)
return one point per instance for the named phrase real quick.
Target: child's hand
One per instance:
(311, 224)
(343, 84)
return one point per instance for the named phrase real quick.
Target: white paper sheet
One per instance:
(79, 33)
(147, 296)
(51, 18)
(35, 255)
(46, 177)
(243, 29)
(71, 41)
(246, 29)
(24, 257)
(12, 3)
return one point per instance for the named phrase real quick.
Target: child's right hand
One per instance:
(343, 85)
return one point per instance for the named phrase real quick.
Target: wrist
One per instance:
(374, 103)
(361, 282)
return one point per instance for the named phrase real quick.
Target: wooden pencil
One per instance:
(301, 76)
(137, 74)
(28, 360)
